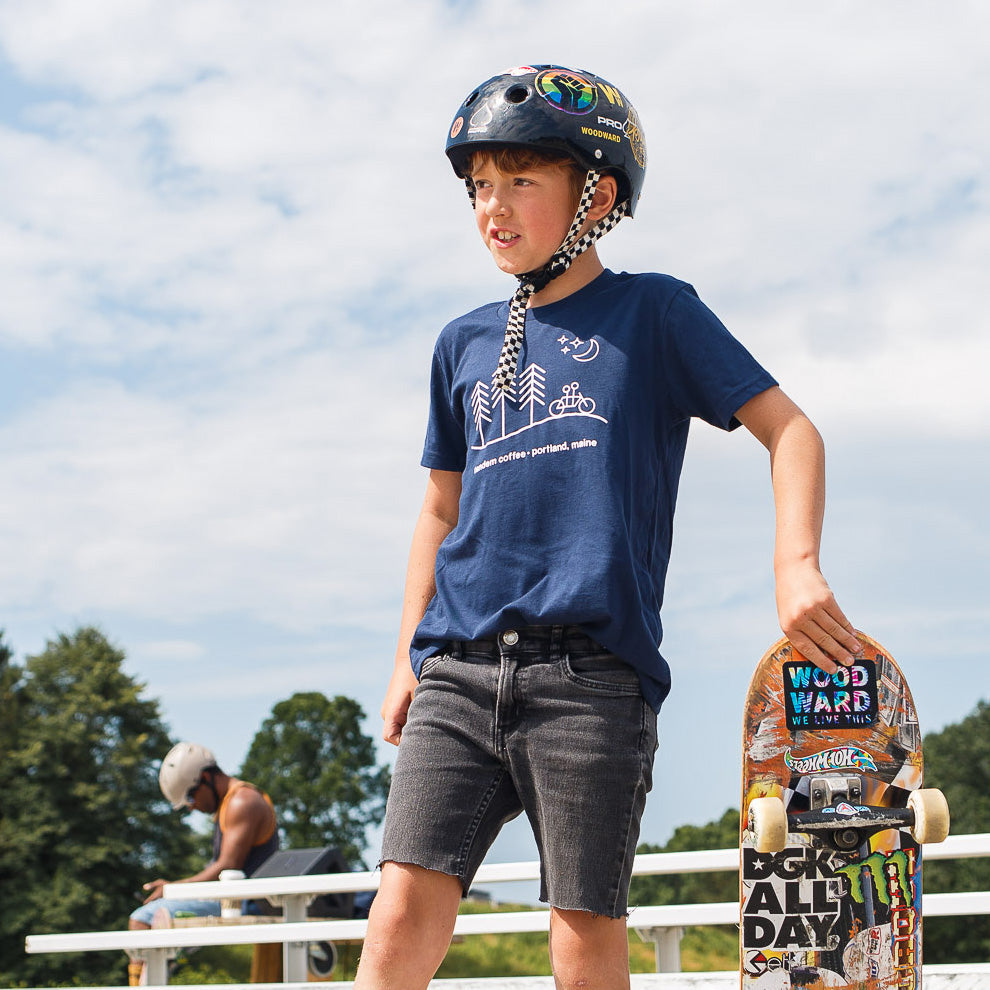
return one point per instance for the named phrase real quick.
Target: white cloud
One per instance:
(172, 650)
(269, 495)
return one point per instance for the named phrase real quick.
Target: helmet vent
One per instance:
(517, 94)
(471, 98)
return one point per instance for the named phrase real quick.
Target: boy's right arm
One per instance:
(437, 518)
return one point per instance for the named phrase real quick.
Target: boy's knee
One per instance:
(413, 901)
(588, 950)
(409, 927)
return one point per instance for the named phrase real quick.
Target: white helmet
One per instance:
(181, 769)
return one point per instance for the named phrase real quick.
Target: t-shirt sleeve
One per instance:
(709, 374)
(445, 448)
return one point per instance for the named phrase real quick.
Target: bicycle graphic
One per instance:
(572, 402)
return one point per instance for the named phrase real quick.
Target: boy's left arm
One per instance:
(806, 607)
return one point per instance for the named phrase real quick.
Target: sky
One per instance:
(229, 238)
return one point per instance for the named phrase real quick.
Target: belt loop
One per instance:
(456, 649)
(556, 643)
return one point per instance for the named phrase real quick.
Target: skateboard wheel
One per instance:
(768, 823)
(931, 815)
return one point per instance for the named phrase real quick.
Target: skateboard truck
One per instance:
(837, 817)
(828, 791)
(834, 795)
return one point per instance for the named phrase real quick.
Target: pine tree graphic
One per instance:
(498, 397)
(531, 389)
(480, 410)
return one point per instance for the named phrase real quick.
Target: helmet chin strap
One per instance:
(574, 243)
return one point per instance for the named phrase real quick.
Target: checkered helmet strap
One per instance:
(574, 243)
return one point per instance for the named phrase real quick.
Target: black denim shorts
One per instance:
(541, 720)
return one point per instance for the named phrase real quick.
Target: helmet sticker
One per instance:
(567, 91)
(455, 128)
(480, 119)
(636, 140)
(611, 94)
(521, 70)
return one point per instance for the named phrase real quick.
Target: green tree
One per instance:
(691, 888)
(83, 823)
(9, 677)
(319, 768)
(706, 946)
(957, 760)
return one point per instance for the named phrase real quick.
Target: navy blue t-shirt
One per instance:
(569, 483)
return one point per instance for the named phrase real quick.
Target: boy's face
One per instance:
(523, 216)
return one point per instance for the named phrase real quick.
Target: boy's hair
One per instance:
(512, 159)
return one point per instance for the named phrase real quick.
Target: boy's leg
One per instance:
(450, 795)
(409, 928)
(582, 760)
(588, 951)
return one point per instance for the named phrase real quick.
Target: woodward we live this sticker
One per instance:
(816, 699)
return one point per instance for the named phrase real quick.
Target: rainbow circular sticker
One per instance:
(567, 91)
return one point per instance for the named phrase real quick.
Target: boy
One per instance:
(531, 613)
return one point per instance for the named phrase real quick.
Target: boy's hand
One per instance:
(398, 698)
(812, 620)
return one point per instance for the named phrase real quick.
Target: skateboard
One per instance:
(832, 821)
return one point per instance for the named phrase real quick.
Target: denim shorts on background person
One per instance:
(186, 909)
(542, 720)
(198, 909)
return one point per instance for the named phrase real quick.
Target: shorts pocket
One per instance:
(431, 663)
(602, 672)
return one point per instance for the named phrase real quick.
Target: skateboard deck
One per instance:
(832, 821)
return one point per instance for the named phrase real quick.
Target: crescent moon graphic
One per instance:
(589, 354)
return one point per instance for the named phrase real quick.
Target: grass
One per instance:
(525, 953)
(521, 954)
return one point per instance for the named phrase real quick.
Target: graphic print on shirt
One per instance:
(500, 414)
(580, 350)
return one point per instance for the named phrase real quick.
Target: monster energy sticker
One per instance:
(889, 879)
(815, 699)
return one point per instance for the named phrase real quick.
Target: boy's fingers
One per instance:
(811, 652)
(834, 636)
(827, 643)
(835, 624)
(847, 638)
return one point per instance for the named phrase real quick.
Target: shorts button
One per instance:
(510, 637)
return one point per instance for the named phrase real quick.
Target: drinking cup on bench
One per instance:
(230, 907)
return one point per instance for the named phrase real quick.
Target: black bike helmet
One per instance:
(559, 110)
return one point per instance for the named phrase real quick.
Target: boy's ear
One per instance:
(604, 198)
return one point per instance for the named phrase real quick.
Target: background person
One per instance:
(245, 829)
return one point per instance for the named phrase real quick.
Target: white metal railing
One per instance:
(661, 924)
